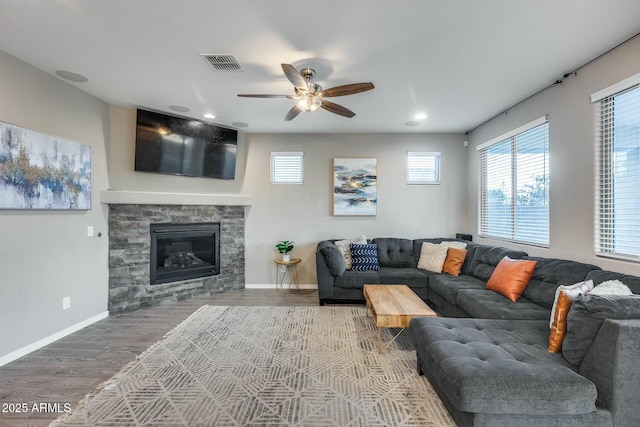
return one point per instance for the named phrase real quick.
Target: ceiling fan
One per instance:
(310, 96)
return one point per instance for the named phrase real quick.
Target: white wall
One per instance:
(121, 159)
(45, 255)
(302, 213)
(572, 154)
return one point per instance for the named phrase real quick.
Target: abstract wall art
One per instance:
(39, 171)
(354, 186)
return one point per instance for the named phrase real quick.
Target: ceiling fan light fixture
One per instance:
(310, 96)
(309, 103)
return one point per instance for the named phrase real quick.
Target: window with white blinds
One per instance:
(423, 167)
(287, 167)
(617, 192)
(514, 185)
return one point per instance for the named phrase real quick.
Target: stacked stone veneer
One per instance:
(129, 248)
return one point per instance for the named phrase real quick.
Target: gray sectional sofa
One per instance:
(487, 356)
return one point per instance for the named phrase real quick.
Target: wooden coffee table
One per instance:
(393, 306)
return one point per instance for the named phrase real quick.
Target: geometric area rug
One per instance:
(263, 366)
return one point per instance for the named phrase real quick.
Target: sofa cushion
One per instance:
(499, 367)
(471, 251)
(395, 252)
(411, 277)
(364, 257)
(587, 314)
(448, 286)
(511, 277)
(356, 279)
(491, 305)
(485, 258)
(332, 257)
(454, 261)
(549, 274)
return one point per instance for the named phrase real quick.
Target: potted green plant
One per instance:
(284, 247)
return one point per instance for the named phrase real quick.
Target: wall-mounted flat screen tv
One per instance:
(178, 146)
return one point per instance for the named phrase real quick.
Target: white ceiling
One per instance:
(458, 61)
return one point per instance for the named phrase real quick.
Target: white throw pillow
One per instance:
(452, 244)
(572, 291)
(611, 287)
(345, 248)
(432, 257)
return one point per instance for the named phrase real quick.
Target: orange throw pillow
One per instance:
(454, 261)
(511, 277)
(565, 295)
(559, 327)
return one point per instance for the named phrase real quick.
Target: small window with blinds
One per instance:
(617, 216)
(514, 185)
(423, 168)
(287, 167)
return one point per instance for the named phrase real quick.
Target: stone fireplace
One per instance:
(195, 227)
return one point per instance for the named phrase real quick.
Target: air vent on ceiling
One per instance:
(222, 61)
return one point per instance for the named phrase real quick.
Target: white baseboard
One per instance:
(7, 358)
(273, 286)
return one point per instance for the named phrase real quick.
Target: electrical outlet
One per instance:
(66, 303)
(89, 230)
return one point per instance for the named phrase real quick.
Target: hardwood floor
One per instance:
(62, 373)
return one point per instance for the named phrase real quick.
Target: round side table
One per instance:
(282, 267)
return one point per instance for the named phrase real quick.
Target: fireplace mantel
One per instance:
(123, 197)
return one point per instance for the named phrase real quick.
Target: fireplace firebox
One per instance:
(184, 251)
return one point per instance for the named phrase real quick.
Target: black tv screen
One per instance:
(178, 146)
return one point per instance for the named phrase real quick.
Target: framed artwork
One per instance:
(354, 186)
(40, 171)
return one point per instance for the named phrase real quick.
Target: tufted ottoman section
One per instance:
(499, 367)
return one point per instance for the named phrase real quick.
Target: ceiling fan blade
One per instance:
(295, 110)
(253, 95)
(294, 76)
(337, 109)
(343, 90)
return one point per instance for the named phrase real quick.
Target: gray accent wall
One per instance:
(572, 156)
(46, 255)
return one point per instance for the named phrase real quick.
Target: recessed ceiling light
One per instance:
(179, 108)
(209, 116)
(72, 77)
(420, 116)
(413, 123)
(240, 124)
